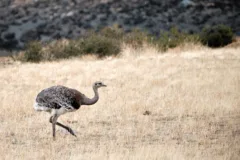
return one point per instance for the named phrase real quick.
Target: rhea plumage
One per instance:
(58, 100)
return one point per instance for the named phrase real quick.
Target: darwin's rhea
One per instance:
(59, 99)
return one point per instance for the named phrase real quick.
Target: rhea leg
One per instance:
(54, 120)
(63, 126)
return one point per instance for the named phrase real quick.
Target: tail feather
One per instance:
(39, 107)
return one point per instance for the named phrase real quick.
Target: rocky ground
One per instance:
(24, 20)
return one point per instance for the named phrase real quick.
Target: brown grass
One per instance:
(191, 95)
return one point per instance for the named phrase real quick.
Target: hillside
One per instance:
(180, 105)
(46, 20)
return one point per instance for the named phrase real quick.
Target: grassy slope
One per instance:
(193, 97)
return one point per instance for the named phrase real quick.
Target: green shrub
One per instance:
(72, 49)
(100, 45)
(162, 42)
(61, 50)
(216, 36)
(109, 40)
(137, 38)
(114, 32)
(33, 52)
(174, 38)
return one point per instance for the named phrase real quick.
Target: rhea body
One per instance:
(58, 100)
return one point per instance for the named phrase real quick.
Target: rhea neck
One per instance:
(88, 101)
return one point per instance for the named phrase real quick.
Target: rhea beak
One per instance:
(104, 85)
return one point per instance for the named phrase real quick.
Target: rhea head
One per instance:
(99, 84)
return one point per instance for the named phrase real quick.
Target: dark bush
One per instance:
(137, 38)
(174, 38)
(114, 32)
(33, 52)
(100, 45)
(62, 50)
(216, 36)
(109, 40)
(72, 49)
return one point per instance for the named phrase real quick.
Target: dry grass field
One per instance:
(184, 104)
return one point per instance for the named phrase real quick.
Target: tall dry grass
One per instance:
(191, 97)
